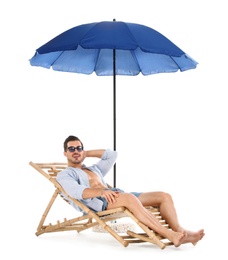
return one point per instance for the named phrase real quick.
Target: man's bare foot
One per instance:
(185, 236)
(176, 238)
(192, 237)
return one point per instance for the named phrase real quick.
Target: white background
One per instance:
(171, 128)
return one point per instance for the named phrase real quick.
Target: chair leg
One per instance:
(40, 226)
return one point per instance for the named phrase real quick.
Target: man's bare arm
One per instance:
(94, 153)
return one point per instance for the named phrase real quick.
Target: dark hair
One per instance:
(71, 138)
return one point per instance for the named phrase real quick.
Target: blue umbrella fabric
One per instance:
(88, 48)
(109, 49)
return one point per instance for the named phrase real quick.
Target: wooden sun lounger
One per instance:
(91, 218)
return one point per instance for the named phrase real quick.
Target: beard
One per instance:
(75, 160)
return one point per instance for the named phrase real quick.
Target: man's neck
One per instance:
(75, 165)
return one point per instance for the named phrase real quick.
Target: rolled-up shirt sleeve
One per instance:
(107, 161)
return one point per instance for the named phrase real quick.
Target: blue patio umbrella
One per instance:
(111, 48)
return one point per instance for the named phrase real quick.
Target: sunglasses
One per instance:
(72, 149)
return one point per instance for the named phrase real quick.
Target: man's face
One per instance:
(74, 152)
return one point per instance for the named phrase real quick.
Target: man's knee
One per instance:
(166, 197)
(130, 198)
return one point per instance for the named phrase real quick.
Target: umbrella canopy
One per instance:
(88, 48)
(110, 49)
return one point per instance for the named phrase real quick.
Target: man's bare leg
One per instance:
(146, 217)
(168, 212)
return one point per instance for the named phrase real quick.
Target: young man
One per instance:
(87, 184)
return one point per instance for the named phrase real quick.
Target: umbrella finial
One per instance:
(114, 20)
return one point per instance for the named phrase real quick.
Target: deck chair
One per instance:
(91, 219)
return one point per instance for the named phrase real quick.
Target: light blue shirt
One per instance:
(75, 180)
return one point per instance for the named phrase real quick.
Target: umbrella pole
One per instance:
(114, 113)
